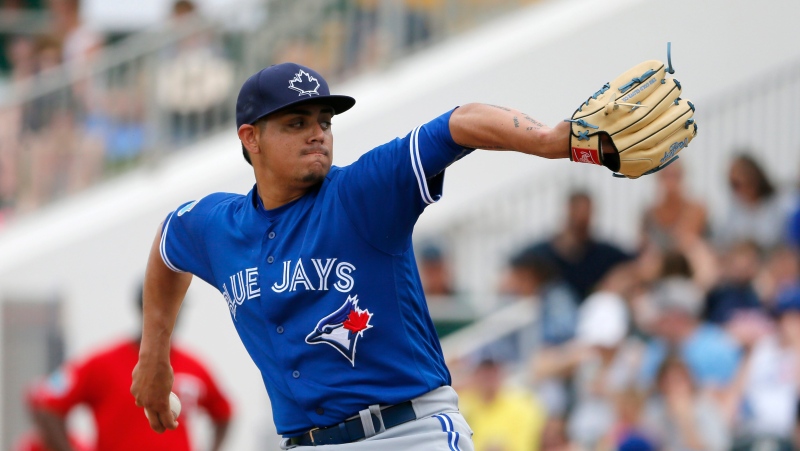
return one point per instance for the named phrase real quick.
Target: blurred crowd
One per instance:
(70, 119)
(692, 342)
(78, 105)
(40, 136)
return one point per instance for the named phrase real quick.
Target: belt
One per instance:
(353, 430)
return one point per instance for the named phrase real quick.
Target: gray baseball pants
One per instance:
(439, 427)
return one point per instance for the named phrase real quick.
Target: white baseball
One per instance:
(174, 406)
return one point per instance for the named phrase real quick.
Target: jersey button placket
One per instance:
(271, 235)
(270, 259)
(279, 329)
(295, 374)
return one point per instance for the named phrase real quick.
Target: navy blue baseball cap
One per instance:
(282, 85)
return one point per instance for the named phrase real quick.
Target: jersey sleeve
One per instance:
(183, 237)
(386, 190)
(63, 389)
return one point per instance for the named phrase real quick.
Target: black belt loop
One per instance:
(353, 430)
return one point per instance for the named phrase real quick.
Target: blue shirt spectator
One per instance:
(710, 353)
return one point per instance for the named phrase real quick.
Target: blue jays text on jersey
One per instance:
(324, 291)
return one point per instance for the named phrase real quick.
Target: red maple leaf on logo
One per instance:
(357, 321)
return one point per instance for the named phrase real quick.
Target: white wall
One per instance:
(544, 61)
(110, 16)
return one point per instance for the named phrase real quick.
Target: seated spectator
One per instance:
(554, 436)
(680, 415)
(675, 218)
(63, 160)
(40, 110)
(81, 43)
(419, 23)
(762, 405)
(119, 128)
(597, 364)
(581, 259)
(781, 270)
(629, 431)
(450, 309)
(533, 276)
(434, 272)
(755, 212)
(21, 53)
(736, 291)
(501, 417)
(194, 79)
(609, 366)
(711, 355)
(363, 39)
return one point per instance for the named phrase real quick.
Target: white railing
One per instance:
(501, 323)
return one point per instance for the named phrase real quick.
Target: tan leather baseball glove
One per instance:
(643, 116)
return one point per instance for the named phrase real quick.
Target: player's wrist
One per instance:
(556, 141)
(154, 351)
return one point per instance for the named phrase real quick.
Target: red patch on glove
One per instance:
(590, 156)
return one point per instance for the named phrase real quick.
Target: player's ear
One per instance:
(248, 134)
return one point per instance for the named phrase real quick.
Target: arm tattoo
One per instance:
(536, 124)
(498, 107)
(516, 122)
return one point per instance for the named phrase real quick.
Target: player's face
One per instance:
(298, 144)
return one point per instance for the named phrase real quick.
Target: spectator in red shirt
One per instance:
(102, 382)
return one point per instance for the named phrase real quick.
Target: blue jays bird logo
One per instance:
(307, 87)
(342, 328)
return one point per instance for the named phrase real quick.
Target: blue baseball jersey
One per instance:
(324, 291)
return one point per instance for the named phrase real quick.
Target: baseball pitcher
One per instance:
(316, 262)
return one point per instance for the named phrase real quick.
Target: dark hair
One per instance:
(258, 123)
(183, 6)
(431, 251)
(539, 265)
(675, 263)
(45, 42)
(579, 195)
(764, 186)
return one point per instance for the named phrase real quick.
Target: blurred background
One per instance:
(576, 310)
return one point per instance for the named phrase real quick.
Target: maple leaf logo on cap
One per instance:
(307, 87)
